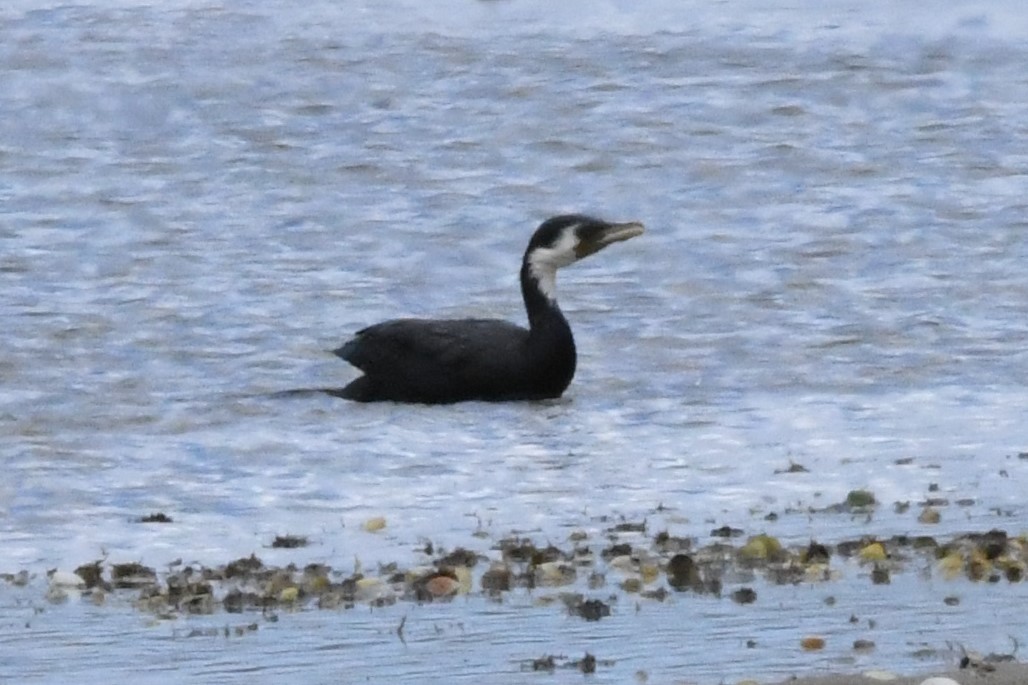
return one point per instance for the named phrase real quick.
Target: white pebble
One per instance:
(939, 681)
(66, 579)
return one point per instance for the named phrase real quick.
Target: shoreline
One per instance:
(589, 576)
(1002, 673)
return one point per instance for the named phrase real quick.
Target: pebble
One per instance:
(442, 586)
(812, 643)
(66, 579)
(369, 589)
(375, 524)
(554, 574)
(873, 552)
(939, 681)
(929, 516)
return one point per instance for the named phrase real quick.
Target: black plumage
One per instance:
(441, 361)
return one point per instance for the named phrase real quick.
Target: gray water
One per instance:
(198, 200)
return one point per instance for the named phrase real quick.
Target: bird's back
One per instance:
(436, 361)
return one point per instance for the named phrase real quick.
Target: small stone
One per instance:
(873, 552)
(860, 499)
(682, 573)
(289, 541)
(761, 548)
(19, 579)
(630, 527)
(951, 565)
(370, 589)
(92, 574)
(812, 643)
(132, 575)
(660, 594)
(554, 574)
(545, 663)
(243, 567)
(587, 664)
(442, 586)
(591, 609)
(623, 562)
(497, 579)
(458, 557)
(744, 595)
(815, 553)
(66, 579)
(618, 551)
(632, 585)
(375, 524)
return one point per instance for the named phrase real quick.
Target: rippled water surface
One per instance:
(198, 200)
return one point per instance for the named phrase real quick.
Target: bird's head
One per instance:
(563, 240)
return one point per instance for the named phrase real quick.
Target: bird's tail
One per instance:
(306, 392)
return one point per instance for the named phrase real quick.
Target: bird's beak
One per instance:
(611, 233)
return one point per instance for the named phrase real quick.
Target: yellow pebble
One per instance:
(761, 547)
(873, 552)
(951, 565)
(649, 572)
(375, 524)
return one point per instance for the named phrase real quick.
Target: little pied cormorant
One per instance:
(441, 361)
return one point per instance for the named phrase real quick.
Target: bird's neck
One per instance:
(538, 288)
(550, 344)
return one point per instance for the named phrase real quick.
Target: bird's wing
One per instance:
(444, 345)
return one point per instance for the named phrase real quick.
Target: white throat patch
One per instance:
(544, 261)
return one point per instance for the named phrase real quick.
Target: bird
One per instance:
(443, 361)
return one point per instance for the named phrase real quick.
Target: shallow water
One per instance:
(197, 201)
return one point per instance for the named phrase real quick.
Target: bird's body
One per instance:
(438, 361)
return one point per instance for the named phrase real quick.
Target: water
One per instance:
(196, 201)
